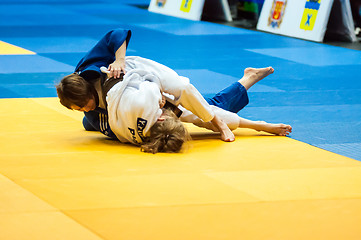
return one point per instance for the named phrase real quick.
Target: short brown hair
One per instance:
(166, 136)
(74, 90)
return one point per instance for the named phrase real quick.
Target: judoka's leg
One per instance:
(95, 121)
(277, 129)
(235, 97)
(252, 76)
(234, 121)
(91, 121)
(232, 99)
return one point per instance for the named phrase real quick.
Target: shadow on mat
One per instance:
(213, 135)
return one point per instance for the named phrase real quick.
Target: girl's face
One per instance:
(91, 105)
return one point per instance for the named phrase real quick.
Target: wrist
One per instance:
(119, 60)
(217, 123)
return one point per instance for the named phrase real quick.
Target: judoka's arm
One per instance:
(171, 83)
(105, 51)
(190, 98)
(226, 133)
(118, 65)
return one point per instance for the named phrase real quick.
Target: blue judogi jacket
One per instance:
(102, 54)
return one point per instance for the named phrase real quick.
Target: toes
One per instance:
(285, 129)
(289, 128)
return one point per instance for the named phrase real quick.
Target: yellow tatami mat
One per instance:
(9, 49)
(61, 182)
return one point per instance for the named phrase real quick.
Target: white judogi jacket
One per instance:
(133, 104)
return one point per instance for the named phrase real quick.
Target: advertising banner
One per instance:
(305, 19)
(189, 9)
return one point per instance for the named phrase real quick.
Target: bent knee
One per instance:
(87, 126)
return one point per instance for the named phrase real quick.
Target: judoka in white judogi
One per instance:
(134, 103)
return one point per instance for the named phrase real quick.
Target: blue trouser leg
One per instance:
(232, 98)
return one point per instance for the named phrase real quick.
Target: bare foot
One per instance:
(258, 73)
(254, 75)
(277, 129)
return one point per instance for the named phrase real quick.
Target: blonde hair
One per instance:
(166, 136)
